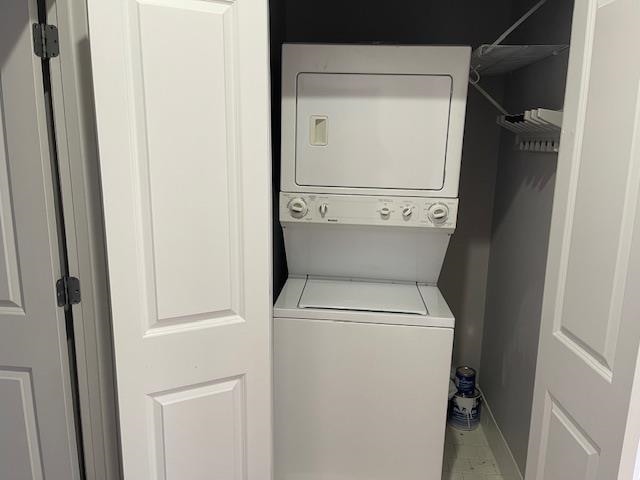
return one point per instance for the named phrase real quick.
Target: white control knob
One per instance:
(298, 208)
(323, 209)
(407, 212)
(438, 213)
(385, 212)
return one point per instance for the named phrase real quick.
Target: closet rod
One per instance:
(520, 21)
(488, 96)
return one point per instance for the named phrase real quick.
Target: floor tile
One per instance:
(483, 466)
(454, 436)
(468, 456)
(483, 451)
(472, 476)
(452, 476)
(460, 464)
(466, 451)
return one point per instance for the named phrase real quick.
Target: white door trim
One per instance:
(74, 118)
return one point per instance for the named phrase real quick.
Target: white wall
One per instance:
(522, 214)
(463, 281)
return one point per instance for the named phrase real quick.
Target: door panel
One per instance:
(10, 291)
(590, 334)
(19, 446)
(37, 435)
(206, 417)
(590, 310)
(188, 177)
(567, 448)
(182, 104)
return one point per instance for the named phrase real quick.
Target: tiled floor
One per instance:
(467, 456)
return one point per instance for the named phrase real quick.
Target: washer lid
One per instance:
(362, 296)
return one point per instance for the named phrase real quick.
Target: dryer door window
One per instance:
(372, 131)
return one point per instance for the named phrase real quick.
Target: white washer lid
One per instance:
(362, 296)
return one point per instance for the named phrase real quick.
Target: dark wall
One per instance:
(418, 22)
(277, 19)
(522, 215)
(402, 21)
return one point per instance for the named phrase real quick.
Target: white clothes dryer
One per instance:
(373, 119)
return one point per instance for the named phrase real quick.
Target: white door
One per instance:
(182, 100)
(590, 325)
(37, 436)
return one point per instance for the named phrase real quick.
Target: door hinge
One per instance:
(45, 40)
(68, 291)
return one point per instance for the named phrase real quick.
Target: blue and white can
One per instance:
(464, 411)
(466, 381)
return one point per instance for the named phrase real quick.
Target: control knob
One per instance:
(407, 212)
(438, 213)
(385, 212)
(323, 209)
(298, 207)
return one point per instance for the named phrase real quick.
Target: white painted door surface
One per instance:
(182, 103)
(591, 313)
(37, 436)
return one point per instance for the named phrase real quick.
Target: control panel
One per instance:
(418, 212)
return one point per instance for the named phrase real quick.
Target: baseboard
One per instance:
(498, 444)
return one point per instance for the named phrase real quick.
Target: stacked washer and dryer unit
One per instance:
(371, 148)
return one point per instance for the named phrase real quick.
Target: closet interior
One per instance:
(493, 273)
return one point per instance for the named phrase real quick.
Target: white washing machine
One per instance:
(371, 142)
(361, 375)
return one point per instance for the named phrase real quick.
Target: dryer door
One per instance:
(372, 131)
